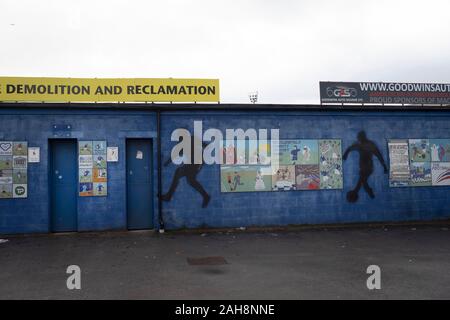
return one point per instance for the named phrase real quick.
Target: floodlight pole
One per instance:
(253, 96)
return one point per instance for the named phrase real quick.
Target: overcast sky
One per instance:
(281, 49)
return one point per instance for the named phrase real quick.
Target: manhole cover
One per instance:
(207, 261)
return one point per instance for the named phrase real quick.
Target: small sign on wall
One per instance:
(112, 154)
(34, 154)
(6, 148)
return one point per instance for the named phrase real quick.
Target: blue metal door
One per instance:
(139, 184)
(63, 185)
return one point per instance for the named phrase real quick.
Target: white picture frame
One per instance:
(34, 154)
(112, 154)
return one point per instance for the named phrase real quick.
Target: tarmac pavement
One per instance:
(290, 264)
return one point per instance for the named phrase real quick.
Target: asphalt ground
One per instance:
(319, 263)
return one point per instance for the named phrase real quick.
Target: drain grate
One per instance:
(207, 261)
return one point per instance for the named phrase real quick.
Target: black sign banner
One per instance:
(385, 93)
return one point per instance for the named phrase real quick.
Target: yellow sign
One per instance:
(104, 90)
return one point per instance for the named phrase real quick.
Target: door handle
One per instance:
(131, 172)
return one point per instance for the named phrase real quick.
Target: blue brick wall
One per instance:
(309, 207)
(36, 126)
(225, 209)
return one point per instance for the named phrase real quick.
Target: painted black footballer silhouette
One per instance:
(366, 149)
(190, 171)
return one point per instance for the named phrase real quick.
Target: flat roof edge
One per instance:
(221, 106)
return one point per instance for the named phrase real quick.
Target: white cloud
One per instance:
(280, 48)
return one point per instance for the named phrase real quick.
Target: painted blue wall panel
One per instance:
(309, 207)
(36, 126)
(225, 209)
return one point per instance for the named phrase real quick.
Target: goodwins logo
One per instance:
(341, 92)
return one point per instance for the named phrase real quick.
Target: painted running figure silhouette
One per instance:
(189, 171)
(366, 149)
